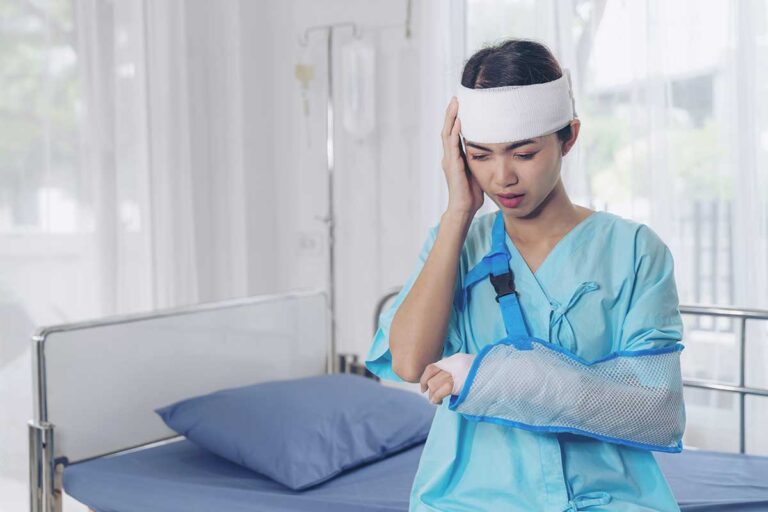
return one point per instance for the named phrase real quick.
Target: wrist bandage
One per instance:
(458, 366)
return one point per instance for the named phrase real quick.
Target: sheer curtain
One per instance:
(672, 99)
(127, 136)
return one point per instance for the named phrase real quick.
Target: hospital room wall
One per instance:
(389, 187)
(210, 179)
(263, 205)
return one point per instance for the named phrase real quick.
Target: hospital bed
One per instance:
(110, 451)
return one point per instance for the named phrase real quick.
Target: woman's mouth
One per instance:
(511, 201)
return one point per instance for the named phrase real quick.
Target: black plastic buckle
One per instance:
(504, 284)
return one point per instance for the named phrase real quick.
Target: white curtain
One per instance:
(132, 173)
(672, 99)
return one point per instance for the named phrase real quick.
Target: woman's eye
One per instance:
(522, 156)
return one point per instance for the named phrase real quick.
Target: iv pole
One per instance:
(330, 217)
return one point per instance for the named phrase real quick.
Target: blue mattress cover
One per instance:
(181, 476)
(715, 481)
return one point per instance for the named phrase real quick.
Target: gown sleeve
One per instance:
(653, 317)
(379, 358)
(632, 396)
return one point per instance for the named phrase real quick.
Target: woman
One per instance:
(590, 283)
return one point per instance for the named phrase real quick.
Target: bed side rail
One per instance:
(741, 316)
(97, 383)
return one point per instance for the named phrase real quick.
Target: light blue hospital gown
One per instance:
(607, 285)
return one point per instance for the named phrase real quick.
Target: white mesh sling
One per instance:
(633, 398)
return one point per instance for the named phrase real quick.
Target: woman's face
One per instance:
(529, 167)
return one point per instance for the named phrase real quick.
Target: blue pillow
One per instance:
(302, 432)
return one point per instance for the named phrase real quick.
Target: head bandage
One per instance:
(517, 112)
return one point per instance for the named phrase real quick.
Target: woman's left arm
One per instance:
(634, 396)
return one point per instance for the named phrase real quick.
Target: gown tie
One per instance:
(557, 316)
(588, 500)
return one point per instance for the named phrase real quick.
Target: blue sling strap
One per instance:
(495, 265)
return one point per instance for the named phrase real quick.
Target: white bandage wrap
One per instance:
(458, 366)
(517, 112)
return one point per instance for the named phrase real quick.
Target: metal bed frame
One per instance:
(741, 315)
(45, 486)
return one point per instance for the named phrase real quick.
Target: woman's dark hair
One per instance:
(513, 62)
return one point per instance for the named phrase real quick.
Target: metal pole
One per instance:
(331, 215)
(41, 468)
(742, 395)
(41, 457)
(330, 163)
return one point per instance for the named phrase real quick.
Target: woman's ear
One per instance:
(568, 144)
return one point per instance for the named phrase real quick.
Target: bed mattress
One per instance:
(180, 476)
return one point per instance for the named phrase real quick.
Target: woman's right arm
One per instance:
(420, 323)
(419, 326)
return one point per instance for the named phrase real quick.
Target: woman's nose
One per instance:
(505, 173)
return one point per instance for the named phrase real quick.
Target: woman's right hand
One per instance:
(464, 192)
